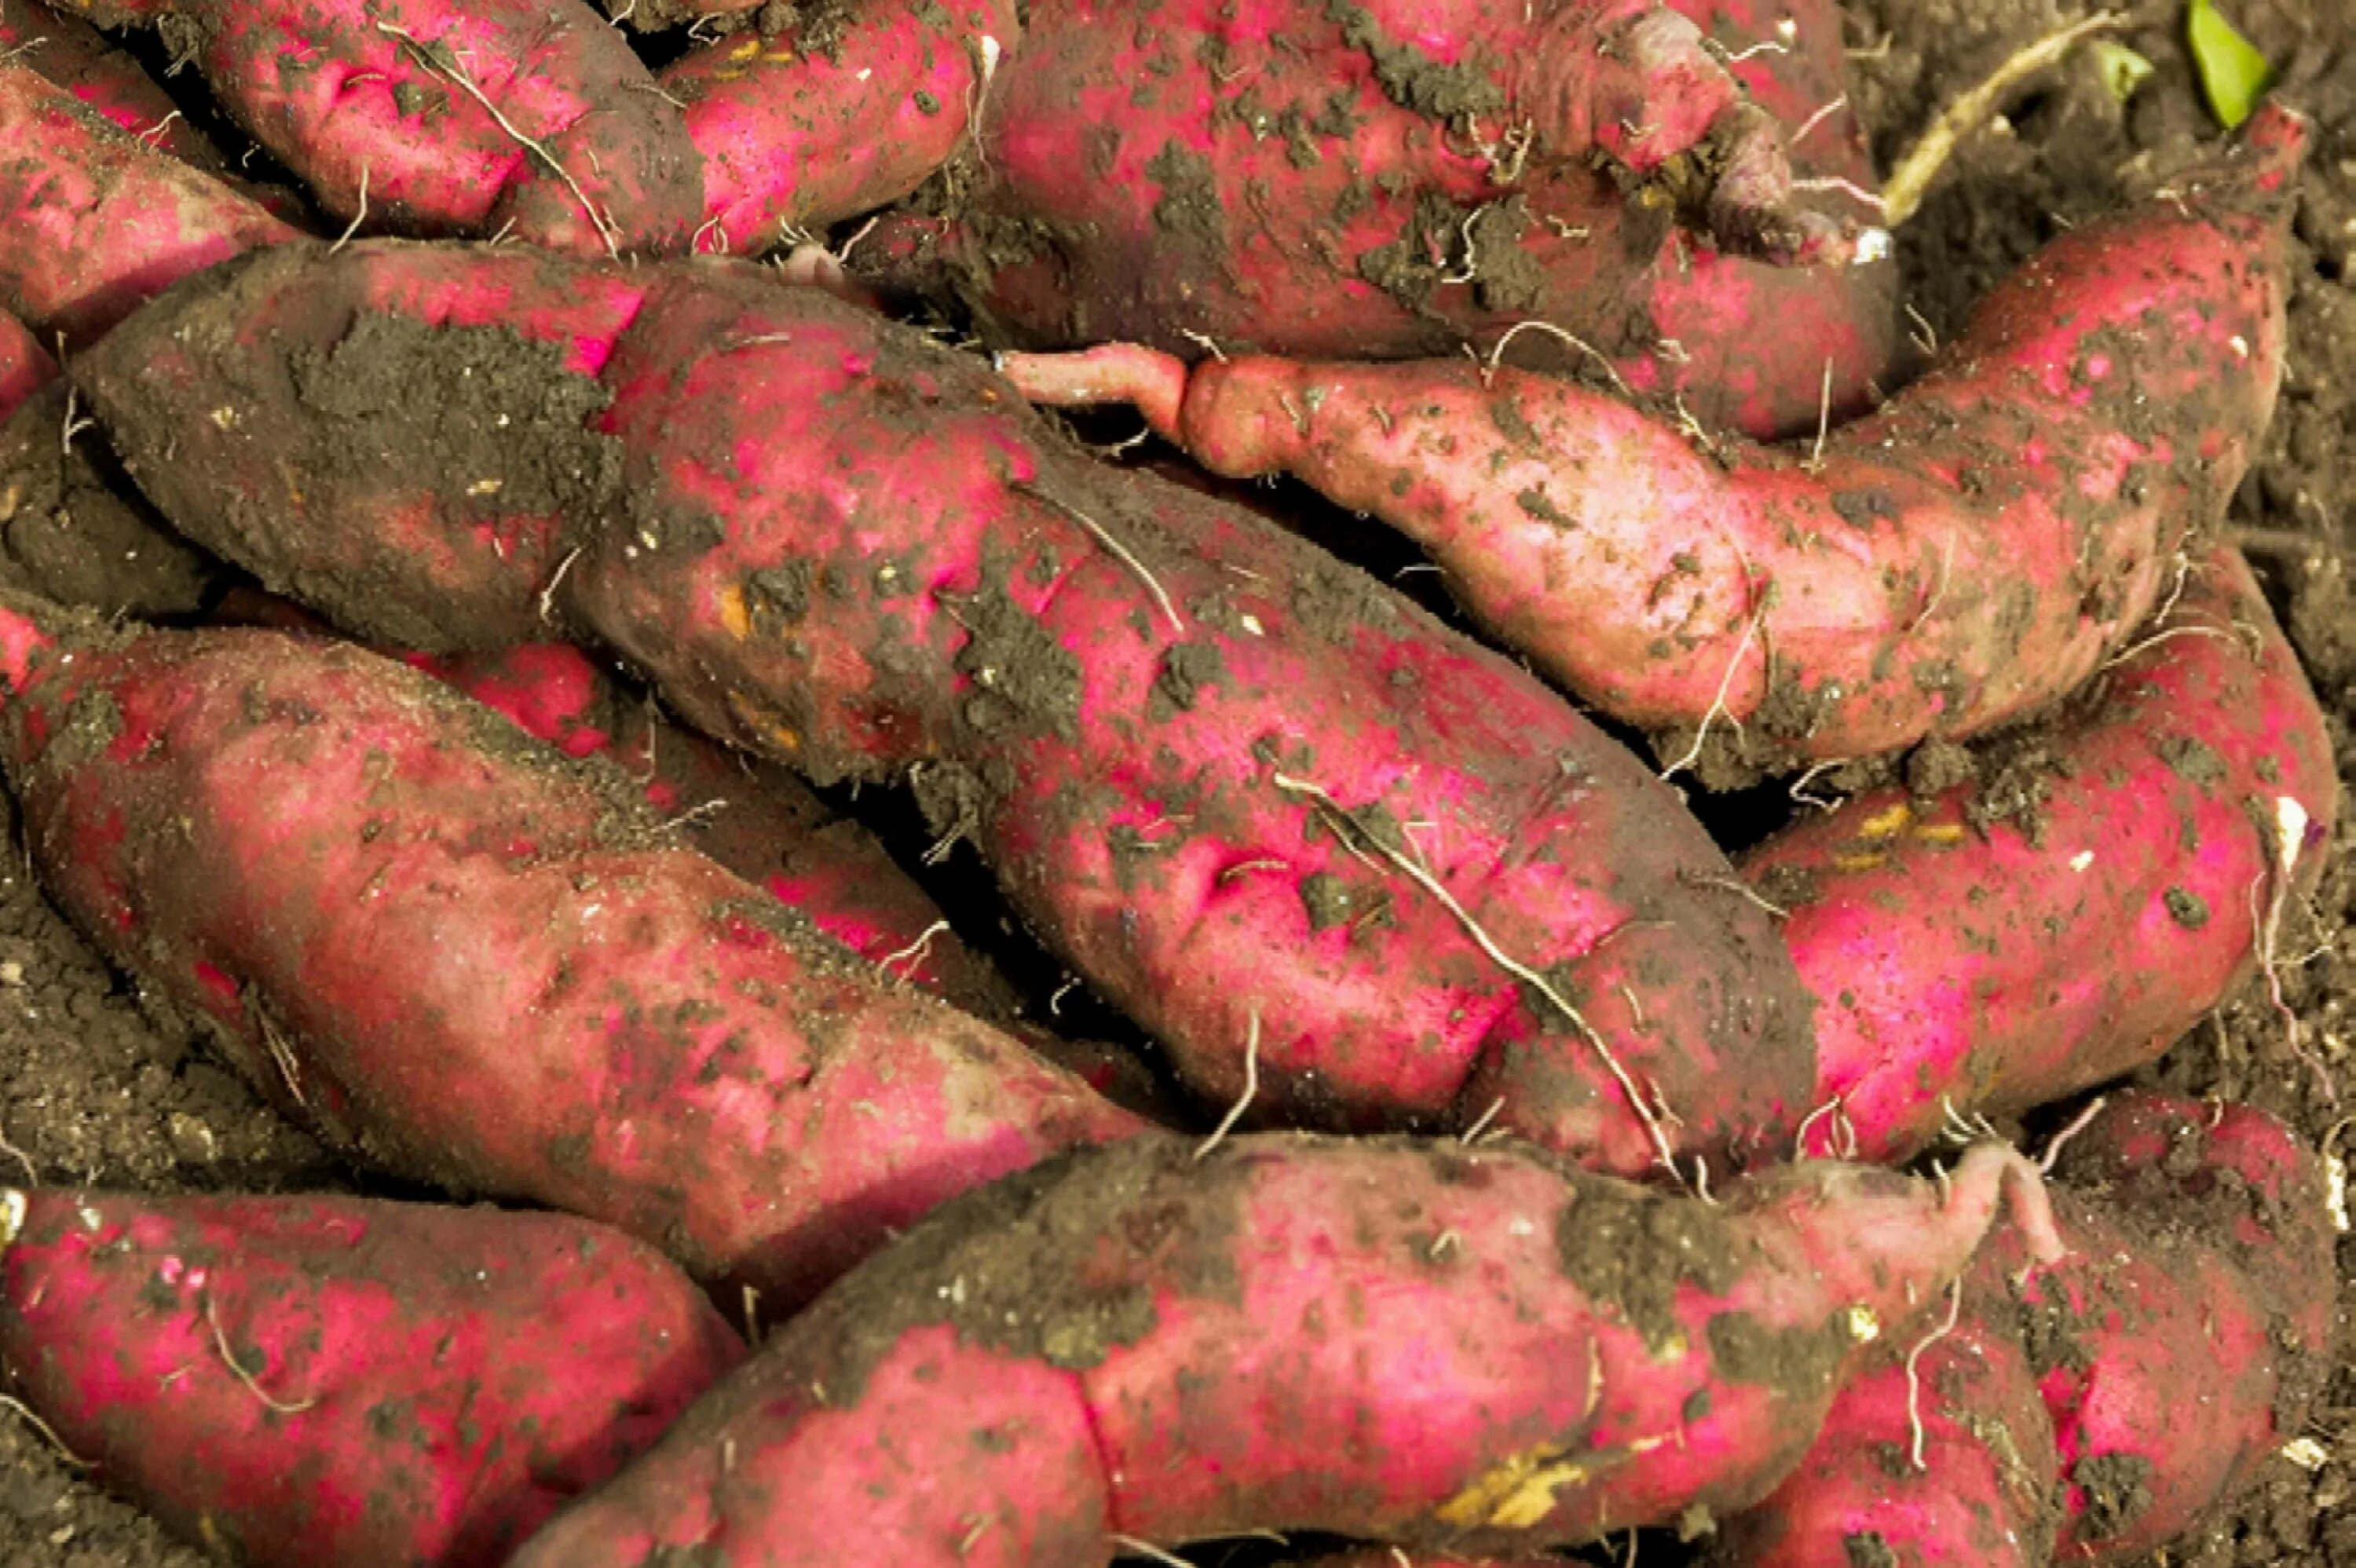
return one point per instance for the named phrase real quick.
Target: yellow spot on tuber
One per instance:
(1887, 824)
(1516, 1494)
(734, 615)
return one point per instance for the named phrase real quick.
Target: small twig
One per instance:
(914, 953)
(32, 1172)
(1202, 340)
(1903, 191)
(453, 71)
(1913, 1376)
(1663, 1151)
(220, 1342)
(1799, 786)
(1928, 342)
(282, 1055)
(2078, 1123)
(1497, 351)
(1242, 1103)
(358, 218)
(73, 426)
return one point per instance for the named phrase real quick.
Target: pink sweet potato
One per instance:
(1257, 800)
(302, 1380)
(1390, 179)
(2118, 1395)
(77, 58)
(393, 912)
(1469, 1351)
(25, 367)
(93, 221)
(1960, 960)
(1974, 1490)
(850, 112)
(1965, 556)
(530, 116)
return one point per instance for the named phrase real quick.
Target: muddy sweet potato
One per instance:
(1388, 180)
(852, 109)
(297, 1380)
(531, 117)
(77, 58)
(93, 220)
(2061, 920)
(1966, 555)
(1295, 828)
(2092, 1408)
(392, 910)
(1474, 1352)
(24, 367)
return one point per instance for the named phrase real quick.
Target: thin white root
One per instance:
(220, 1343)
(1902, 192)
(1913, 1376)
(914, 953)
(2078, 1123)
(1119, 552)
(1243, 1102)
(358, 218)
(25, 1412)
(1497, 352)
(1718, 703)
(1347, 828)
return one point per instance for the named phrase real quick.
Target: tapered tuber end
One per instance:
(1751, 211)
(1151, 381)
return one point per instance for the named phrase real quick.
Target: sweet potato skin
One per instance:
(1965, 556)
(77, 58)
(1385, 181)
(94, 222)
(390, 97)
(412, 1385)
(1469, 1351)
(1174, 746)
(1999, 965)
(798, 132)
(2118, 1396)
(470, 923)
(24, 367)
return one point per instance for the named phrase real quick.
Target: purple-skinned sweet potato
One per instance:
(2169, 826)
(291, 1381)
(1387, 181)
(526, 116)
(1470, 1352)
(1227, 778)
(1965, 556)
(93, 221)
(394, 912)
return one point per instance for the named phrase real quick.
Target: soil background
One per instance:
(92, 1091)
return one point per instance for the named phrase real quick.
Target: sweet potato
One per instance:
(1388, 180)
(93, 221)
(77, 58)
(1468, 1351)
(1229, 779)
(2149, 1372)
(851, 110)
(392, 911)
(526, 116)
(1962, 959)
(25, 369)
(1965, 556)
(299, 1381)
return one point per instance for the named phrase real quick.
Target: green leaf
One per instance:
(2233, 74)
(2122, 70)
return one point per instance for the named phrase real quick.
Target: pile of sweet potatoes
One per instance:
(533, 908)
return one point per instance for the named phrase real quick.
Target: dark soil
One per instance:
(92, 1091)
